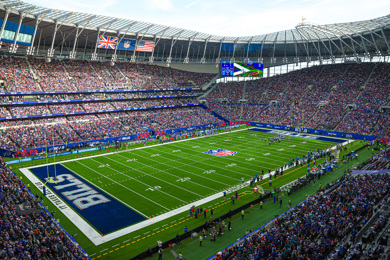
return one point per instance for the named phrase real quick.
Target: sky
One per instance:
(229, 17)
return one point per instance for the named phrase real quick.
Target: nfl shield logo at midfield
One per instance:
(221, 152)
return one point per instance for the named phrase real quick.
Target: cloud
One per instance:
(192, 3)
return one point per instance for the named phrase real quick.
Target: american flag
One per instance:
(145, 46)
(107, 42)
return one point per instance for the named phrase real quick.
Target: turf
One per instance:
(145, 170)
(184, 174)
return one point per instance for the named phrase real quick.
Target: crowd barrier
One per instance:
(92, 91)
(90, 100)
(96, 112)
(315, 131)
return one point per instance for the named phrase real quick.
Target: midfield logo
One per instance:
(221, 152)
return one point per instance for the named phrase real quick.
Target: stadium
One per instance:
(127, 139)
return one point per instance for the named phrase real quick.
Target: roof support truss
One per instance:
(190, 40)
(14, 46)
(169, 59)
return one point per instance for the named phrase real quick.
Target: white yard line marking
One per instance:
(224, 169)
(147, 185)
(151, 175)
(123, 186)
(180, 170)
(106, 192)
(271, 148)
(190, 165)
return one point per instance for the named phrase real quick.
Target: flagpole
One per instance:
(47, 162)
(55, 168)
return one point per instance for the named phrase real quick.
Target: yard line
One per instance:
(244, 157)
(151, 175)
(138, 180)
(273, 151)
(241, 157)
(271, 148)
(309, 145)
(105, 191)
(208, 159)
(257, 142)
(268, 163)
(241, 162)
(185, 165)
(123, 187)
(202, 163)
(175, 168)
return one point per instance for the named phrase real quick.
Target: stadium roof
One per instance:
(67, 34)
(302, 32)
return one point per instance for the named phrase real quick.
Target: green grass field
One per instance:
(182, 170)
(158, 179)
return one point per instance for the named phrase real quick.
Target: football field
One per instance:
(117, 193)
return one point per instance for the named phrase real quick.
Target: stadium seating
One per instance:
(313, 229)
(29, 236)
(18, 75)
(318, 97)
(92, 127)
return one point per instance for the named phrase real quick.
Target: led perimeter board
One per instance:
(241, 69)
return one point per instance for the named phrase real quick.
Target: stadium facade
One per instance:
(74, 35)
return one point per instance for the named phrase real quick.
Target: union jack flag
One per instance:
(107, 42)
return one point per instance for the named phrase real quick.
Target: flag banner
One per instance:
(129, 45)
(107, 42)
(126, 45)
(145, 46)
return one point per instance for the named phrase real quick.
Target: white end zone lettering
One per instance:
(82, 196)
(86, 202)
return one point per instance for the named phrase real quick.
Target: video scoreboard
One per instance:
(241, 69)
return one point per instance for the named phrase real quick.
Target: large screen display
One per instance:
(241, 69)
(25, 33)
